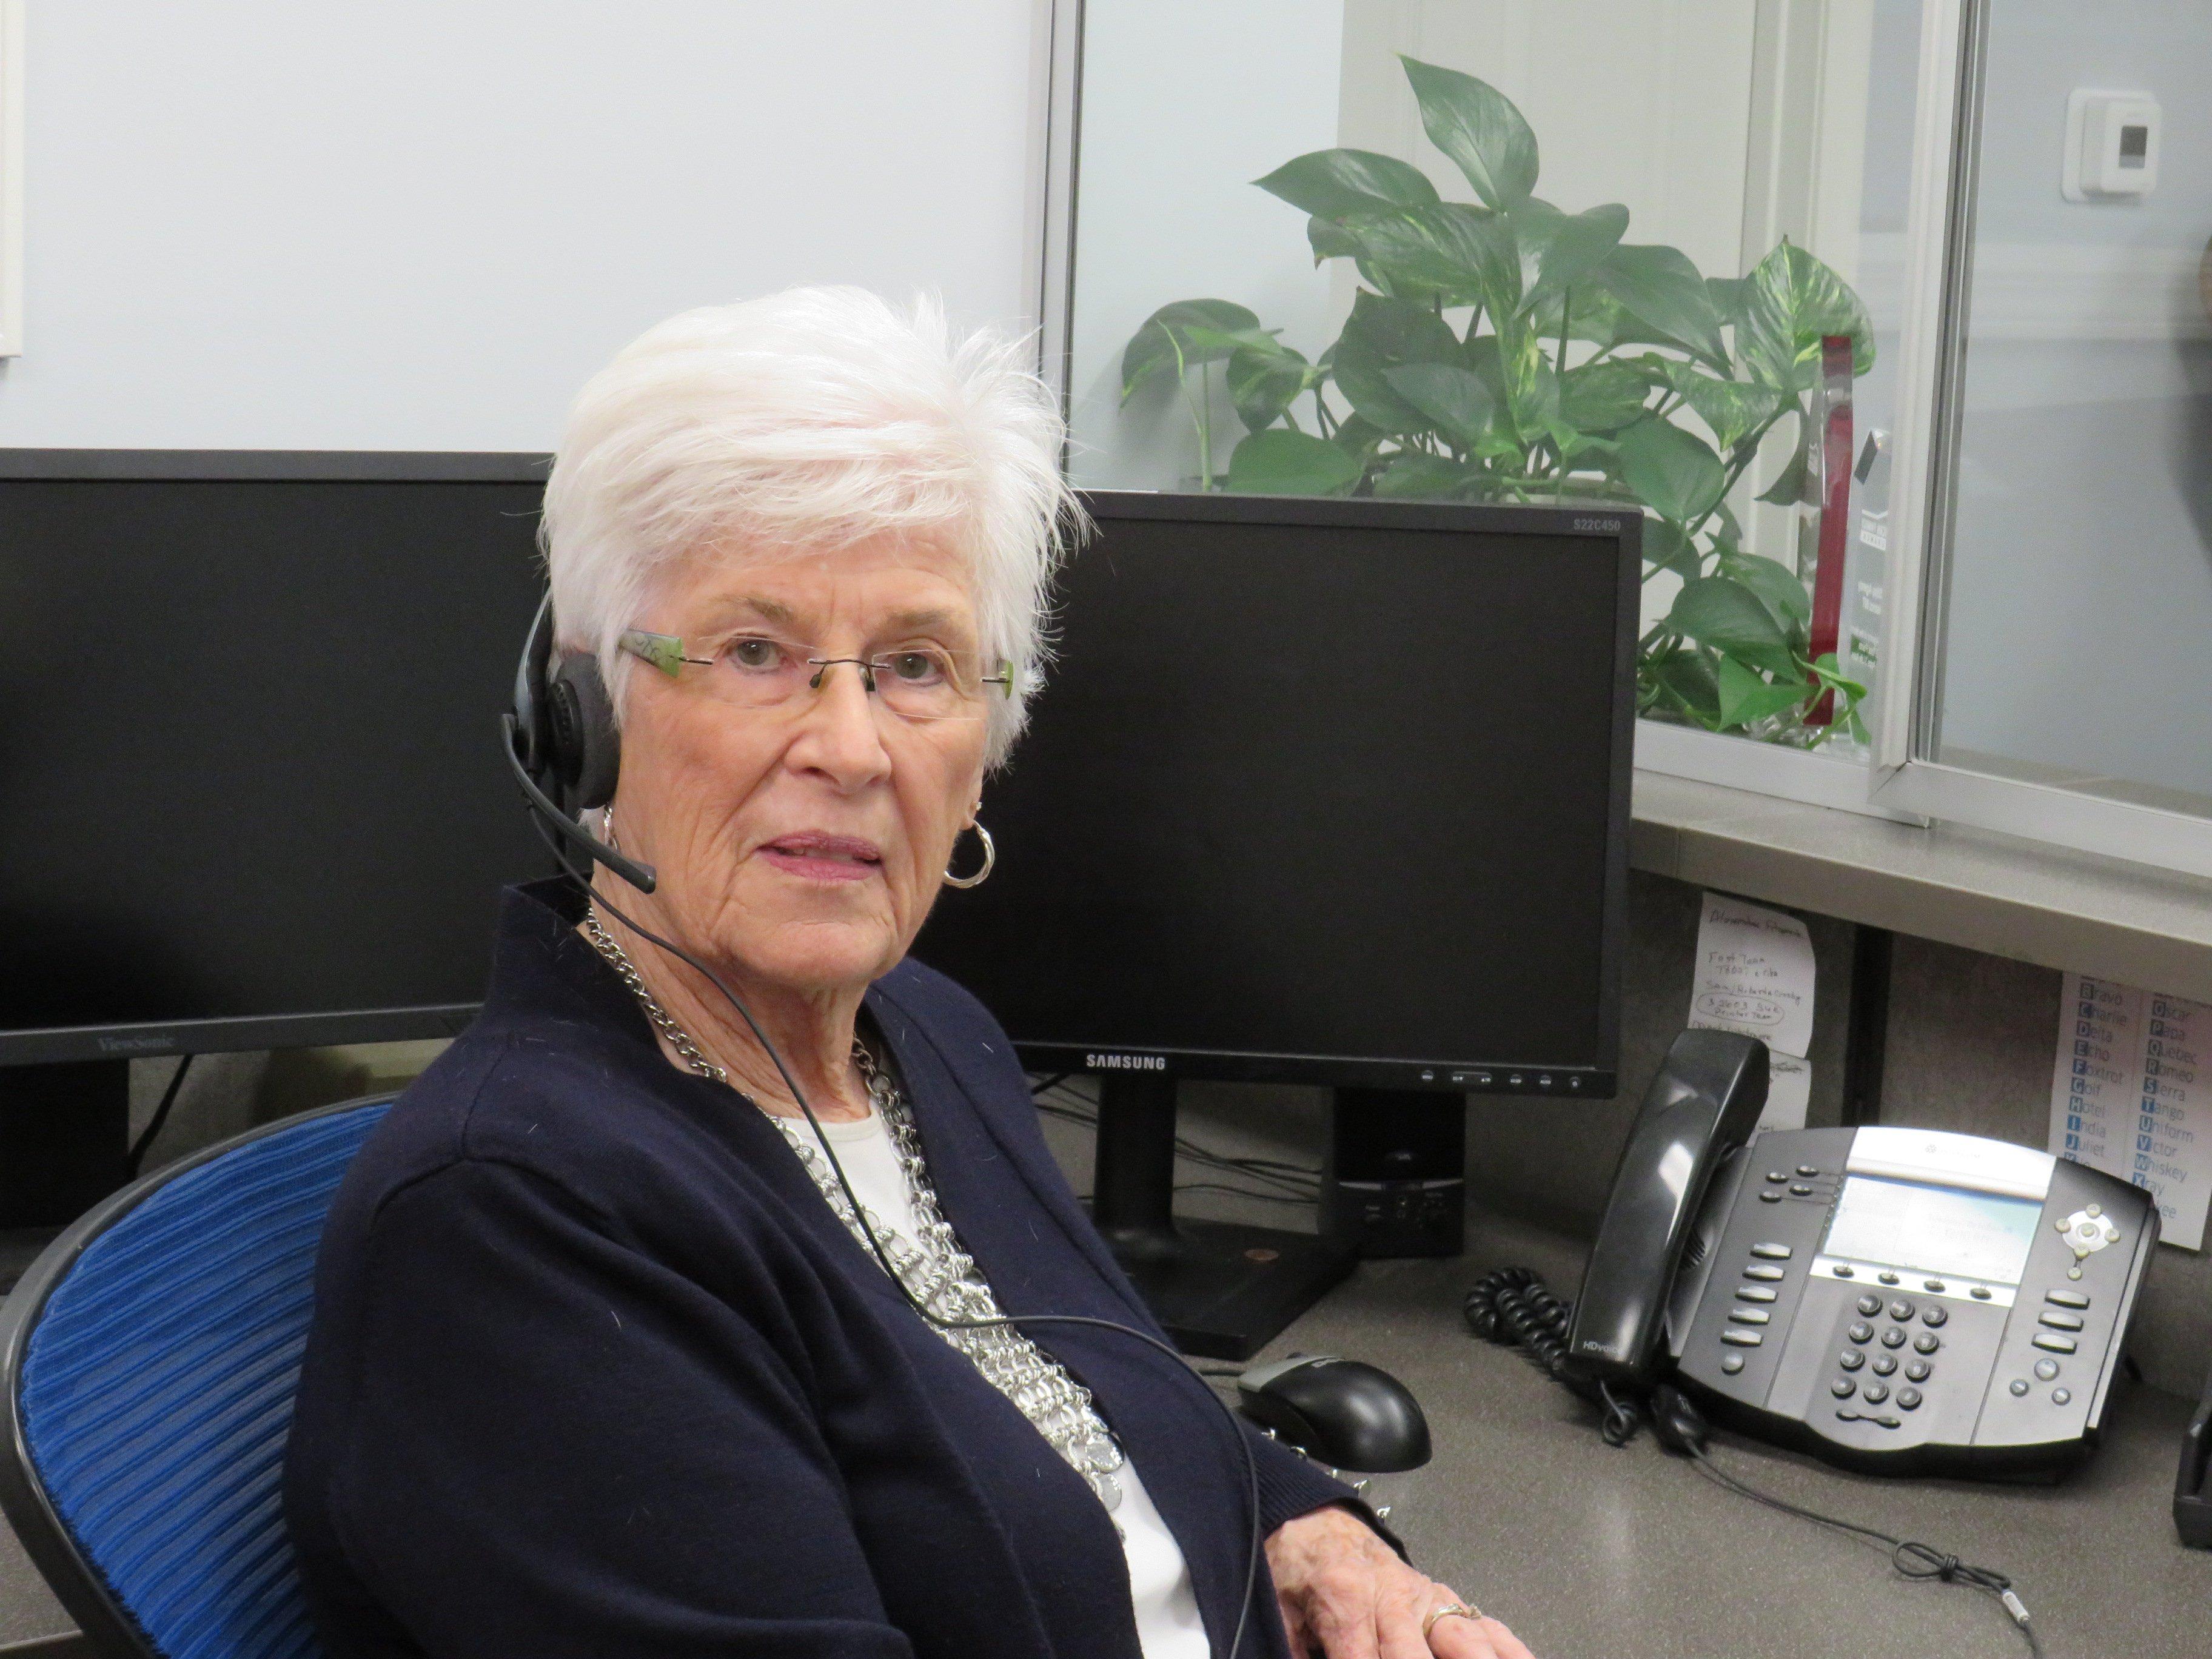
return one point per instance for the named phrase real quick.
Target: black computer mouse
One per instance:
(1345, 1413)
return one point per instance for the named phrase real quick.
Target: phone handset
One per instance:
(1702, 1105)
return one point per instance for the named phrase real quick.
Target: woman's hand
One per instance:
(1345, 1594)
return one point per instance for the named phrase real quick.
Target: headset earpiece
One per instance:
(585, 746)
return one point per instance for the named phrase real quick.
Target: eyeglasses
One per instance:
(921, 682)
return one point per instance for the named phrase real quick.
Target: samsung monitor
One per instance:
(1328, 791)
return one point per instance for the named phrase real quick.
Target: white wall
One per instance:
(260, 223)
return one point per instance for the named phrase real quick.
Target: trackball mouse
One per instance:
(1344, 1413)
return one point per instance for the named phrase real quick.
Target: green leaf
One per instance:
(1358, 437)
(1263, 382)
(1790, 486)
(1477, 125)
(1379, 334)
(1732, 409)
(1602, 397)
(1557, 250)
(1165, 343)
(1789, 302)
(1778, 587)
(1329, 240)
(1452, 250)
(1828, 671)
(1280, 462)
(1666, 547)
(1332, 183)
(1684, 681)
(1455, 399)
(1662, 289)
(1723, 614)
(1674, 472)
(1745, 697)
(1431, 477)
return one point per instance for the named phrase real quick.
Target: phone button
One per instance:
(1933, 1286)
(1769, 1196)
(1841, 1387)
(2066, 1298)
(1777, 1177)
(2061, 1322)
(1773, 1252)
(1731, 1363)
(1799, 1189)
(2051, 1342)
(2046, 1370)
(2018, 1385)
(1900, 1310)
(1850, 1360)
(1860, 1331)
(1980, 1293)
(1926, 1342)
(1755, 1293)
(1742, 1338)
(1870, 1304)
(1934, 1316)
(1885, 1365)
(1844, 1270)
(1807, 1169)
(1893, 1338)
(1918, 1370)
(1769, 1274)
(2061, 1396)
(1908, 1399)
(1876, 1393)
(1887, 1279)
(1750, 1316)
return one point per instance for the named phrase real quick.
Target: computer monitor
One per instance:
(1314, 791)
(248, 761)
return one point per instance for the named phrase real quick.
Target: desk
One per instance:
(1594, 1553)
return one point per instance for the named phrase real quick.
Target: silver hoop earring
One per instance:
(990, 858)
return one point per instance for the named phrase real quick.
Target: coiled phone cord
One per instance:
(1514, 1308)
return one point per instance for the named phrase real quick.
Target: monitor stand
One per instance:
(1221, 1289)
(64, 1139)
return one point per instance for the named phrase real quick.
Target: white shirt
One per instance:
(1168, 1626)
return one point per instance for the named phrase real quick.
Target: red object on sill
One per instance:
(1835, 510)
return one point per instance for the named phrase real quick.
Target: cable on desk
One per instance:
(145, 1141)
(1911, 1558)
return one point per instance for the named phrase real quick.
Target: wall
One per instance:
(256, 224)
(2081, 586)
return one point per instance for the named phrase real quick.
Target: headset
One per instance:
(565, 750)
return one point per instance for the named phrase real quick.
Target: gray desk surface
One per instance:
(1594, 1553)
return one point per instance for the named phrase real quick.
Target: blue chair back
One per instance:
(150, 1357)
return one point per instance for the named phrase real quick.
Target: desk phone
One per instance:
(1903, 1301)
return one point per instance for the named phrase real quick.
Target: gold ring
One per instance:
(1449, 1610)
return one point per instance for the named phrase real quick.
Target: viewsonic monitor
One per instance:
(248, 745)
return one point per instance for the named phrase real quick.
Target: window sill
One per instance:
(1988, 892)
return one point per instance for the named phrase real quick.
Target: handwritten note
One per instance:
(2131, 1094)
(1754, 975)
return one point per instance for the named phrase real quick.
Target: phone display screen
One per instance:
(1934, 1230)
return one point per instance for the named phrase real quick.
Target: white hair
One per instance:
(810, 419)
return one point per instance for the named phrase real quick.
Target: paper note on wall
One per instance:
(2131, 1094)
(1754, 975)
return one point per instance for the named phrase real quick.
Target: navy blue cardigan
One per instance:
(594, 1370)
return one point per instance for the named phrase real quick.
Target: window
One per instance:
(1524, 252)
(1888, 315)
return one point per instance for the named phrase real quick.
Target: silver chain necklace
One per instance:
(935, 1269)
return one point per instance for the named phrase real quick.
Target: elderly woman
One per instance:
(603, 1362)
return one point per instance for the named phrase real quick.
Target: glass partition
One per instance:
(1636, 250)
(2076, 598)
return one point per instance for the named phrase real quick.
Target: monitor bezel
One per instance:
(151, 1039)
(1505, 1074)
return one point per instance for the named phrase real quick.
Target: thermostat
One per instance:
(2112, 145)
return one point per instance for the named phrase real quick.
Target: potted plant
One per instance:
(1504, 350)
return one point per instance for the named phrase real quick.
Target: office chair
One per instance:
(149, 1357)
